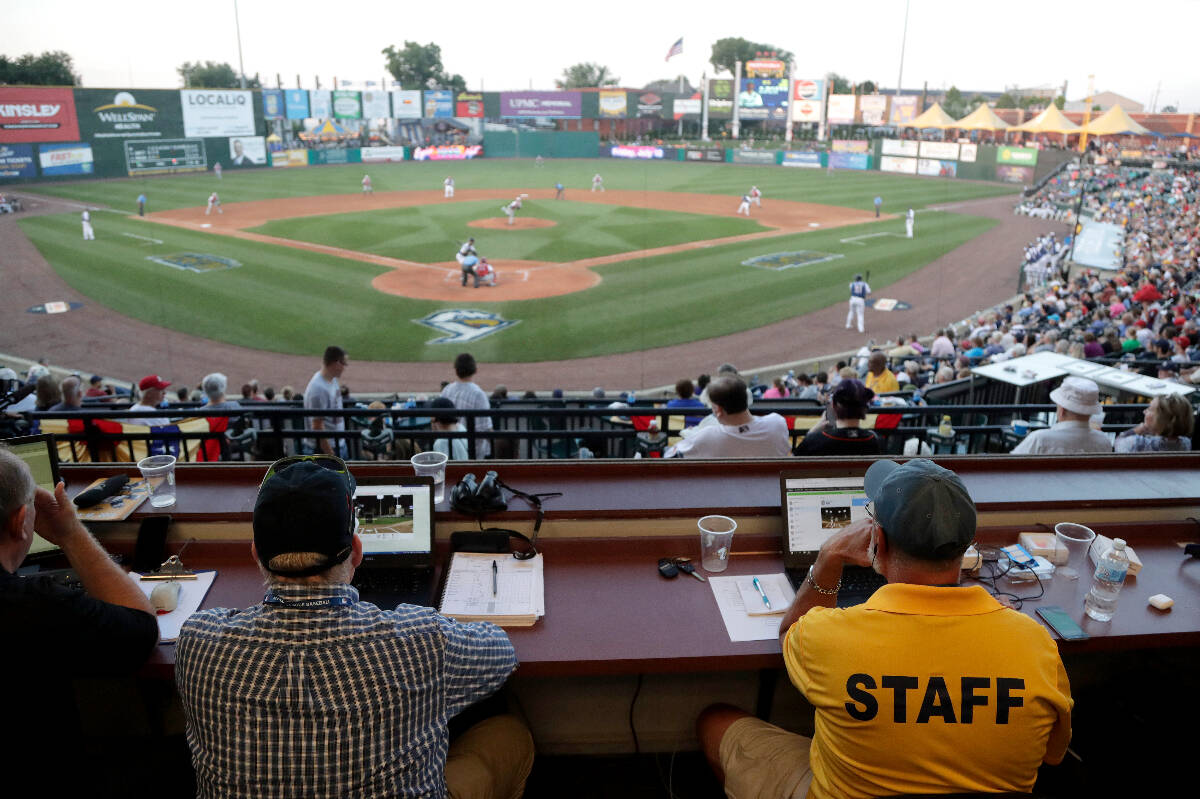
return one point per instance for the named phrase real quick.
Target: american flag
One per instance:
(676, 49)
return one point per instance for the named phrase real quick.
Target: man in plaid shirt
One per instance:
(314, 693)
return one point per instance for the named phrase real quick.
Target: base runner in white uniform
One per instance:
(744, 208)
(910, 219)
(858, 301)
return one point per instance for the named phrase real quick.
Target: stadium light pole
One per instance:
(903, 40)
(237, 26)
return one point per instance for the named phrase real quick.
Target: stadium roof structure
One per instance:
(1115, 120)
(1049, 121)
(932, 117)
(982, 118)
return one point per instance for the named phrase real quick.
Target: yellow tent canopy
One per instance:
(933, 117)
(1049, 121)
(982, 118)
(1114, 120)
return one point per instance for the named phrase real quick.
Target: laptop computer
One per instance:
(814, 508)
(395, 522)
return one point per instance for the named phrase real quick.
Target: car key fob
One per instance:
(667, 568)
(687, 568)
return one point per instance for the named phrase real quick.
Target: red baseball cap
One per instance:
(152, 381)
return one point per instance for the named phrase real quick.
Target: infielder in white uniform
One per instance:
(744, 208)
(449, 184)
(597, 182)
(213, 202)
(858, 301)
(910, 219)
(88, 233)
(366, 184)
(756, 196)
(511, 209)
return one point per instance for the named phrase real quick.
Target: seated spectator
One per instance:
(445, 420)
(777, 389)
(1091, 347)
(214, 387)
(806, 388)
(823, 387)
(684, 398)
(48, 393)
(72, 400)
(153, 389)
(1167, 427)
(735, 432)
(943, 345)
(1078, 399)
(879, 378)
(95, 387)
(844, 436)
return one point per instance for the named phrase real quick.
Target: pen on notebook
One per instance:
(762, 593)
(495, 569)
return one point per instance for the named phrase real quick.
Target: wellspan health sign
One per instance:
(217, 112)
(541, 104)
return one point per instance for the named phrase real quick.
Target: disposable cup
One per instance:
(159, 471)
(716, 539)
(432, 464)
(1077, 540)
(1020, 426)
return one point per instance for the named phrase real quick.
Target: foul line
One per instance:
(143, 238)
(855, 239)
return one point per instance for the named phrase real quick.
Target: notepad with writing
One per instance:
(496, 588)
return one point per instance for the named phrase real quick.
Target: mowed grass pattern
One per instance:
(433, 233)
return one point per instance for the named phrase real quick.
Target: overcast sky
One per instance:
(513, 45)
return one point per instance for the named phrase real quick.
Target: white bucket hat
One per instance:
(1078, 395)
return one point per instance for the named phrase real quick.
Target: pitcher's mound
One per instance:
(501, 223)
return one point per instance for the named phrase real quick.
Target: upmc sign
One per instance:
(36, 115)
(540, 104)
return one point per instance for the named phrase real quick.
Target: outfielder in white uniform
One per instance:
(88, 233)
(213, 202)
(910, 219)
(366, 184)
(449, 184)
(218, 169)
(511, 209)
(744, 208)
(485, 273)
(858, 301)
(756, 196)
(597, 182)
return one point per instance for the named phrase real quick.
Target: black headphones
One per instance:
(476, 499)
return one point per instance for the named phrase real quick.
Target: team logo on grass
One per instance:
(194, 261)
(790, 260)
(460, 326)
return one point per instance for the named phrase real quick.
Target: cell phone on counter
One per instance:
(1061, 622)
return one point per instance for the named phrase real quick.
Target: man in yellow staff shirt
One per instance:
(928, 687)
(879, 378)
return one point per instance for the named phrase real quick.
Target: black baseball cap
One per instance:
(925, 510)
(307, 505)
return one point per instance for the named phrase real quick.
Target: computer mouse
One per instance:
(667, 568)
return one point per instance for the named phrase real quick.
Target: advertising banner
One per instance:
(968, 152)
(639, 151)
(701, 154)
(107, 114)
(247, 151)
(841, 109)
(754, 157)
(375, 105)
(904, 109)
(763, 98)
(873, 108)
(612, 104)
(33, 115)
(649, 104)
(943, 150)
(850, 160)
(163, 156)
(720, 98)
(897, 163)
(686, 106)
(1014, 174)
(217, 112)
(16, 161)
(290, 158)
(371, 155)
(540, 104)
(806, 160)
(448, 152)
(936, 168)
(899, 147)
(295, 103)
(273, 107)
(468, 105)
(66, 159)
(850, 146)
(351, 155)
(347, 104)
(406, 104)
(1024, 156)
(439, 103)
(322, 104)
(765, 67)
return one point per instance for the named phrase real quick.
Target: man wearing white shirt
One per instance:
(1078, 399)
(736, 432)
(467, 396)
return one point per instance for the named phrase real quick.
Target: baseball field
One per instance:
(300, 258)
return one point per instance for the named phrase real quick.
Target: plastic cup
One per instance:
(1077, 540)
(1020, 427)
(432, 464)
(159, 471)
(716, 539)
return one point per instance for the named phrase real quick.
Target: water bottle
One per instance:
(945, 429)
(1101, 602)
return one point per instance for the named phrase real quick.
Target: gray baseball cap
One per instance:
(925, 510)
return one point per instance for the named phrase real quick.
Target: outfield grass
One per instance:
(433, 233)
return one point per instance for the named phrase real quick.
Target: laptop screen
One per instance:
(815, 508)
(41, 457)
(395, 519)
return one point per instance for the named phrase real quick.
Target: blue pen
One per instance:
(762, 593)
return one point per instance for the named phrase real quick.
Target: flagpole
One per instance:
(737, 87)
(704, 106)
(787, 134)
(681, 115)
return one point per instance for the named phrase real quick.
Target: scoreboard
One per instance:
(160, 156)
